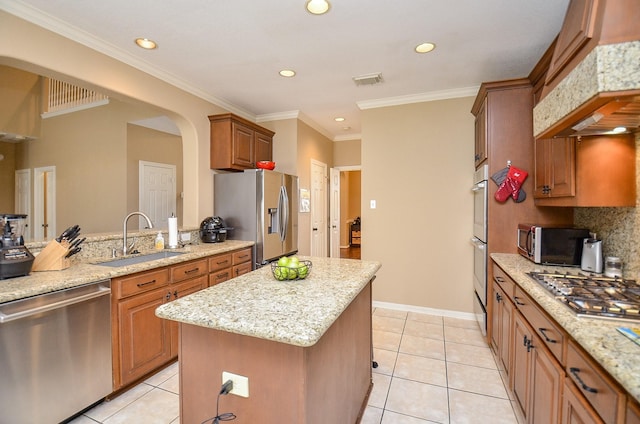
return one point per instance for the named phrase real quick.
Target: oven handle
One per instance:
(479, 186)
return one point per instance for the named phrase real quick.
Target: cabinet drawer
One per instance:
(241, 256)
(241, 269)
(549, 334)
(504, 281)
(189, 270)
(220, 262)
(220, 276)
(140, 283)
(594, 384)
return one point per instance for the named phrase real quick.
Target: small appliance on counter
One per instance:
(592, 255)
(552, 245)
(213, 230)
(15, 258)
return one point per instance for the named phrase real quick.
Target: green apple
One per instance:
(281, 273)
(303, 271)
(283, 261)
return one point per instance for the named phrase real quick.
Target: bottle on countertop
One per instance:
(159, 241)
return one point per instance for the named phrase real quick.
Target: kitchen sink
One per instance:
(131, 260)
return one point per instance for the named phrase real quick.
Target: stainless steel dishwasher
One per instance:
(55, 354)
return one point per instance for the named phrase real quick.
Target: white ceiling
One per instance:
(230, 51)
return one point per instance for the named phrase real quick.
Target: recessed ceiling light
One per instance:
(425, 47)
(318, 7)
(619, 130)
(145, 43)
(339, 119)
(288, 73)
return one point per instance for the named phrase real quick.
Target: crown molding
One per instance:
(348, 137)
(419, 98)
(53, 24)
(278, 116)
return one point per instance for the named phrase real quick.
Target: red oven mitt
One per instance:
(511, 184)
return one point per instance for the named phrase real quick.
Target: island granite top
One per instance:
(41, 282)
(292, 312)
(614, 352)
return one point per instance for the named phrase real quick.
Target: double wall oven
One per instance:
(479, 242)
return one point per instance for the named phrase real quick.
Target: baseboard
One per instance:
(423, 310)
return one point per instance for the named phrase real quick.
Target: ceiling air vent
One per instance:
(370, 79)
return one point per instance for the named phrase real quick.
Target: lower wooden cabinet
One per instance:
(575, 409)
(142, 342)
(552, 379)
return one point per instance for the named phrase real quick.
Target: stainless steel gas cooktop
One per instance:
(593, 295)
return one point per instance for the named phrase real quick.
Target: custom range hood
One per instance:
(592, 85)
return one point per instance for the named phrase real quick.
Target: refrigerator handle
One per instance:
(284, 215)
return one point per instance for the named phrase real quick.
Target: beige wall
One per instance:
(27, 46)
(346, 153)
(20, 107)
(417, 163)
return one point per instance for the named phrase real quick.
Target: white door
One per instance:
(44, 202)
(23, 198)
(318, 208)
(334, 213)
(157, 196)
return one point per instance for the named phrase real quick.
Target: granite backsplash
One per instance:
(619, 228)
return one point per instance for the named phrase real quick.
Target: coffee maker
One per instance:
(591, 255)
(15, 258)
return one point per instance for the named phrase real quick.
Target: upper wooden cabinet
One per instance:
(237, 144)
(481, 134)
(603, 171)
(555, 168)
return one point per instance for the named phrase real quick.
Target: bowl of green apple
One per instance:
(290, 268)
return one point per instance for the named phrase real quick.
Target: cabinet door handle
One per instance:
(175, 294)
(515, 299)
(146, 283)
(499, 279)
(544, 334)
(191, 271)
(574, 372)
(222, 262)
(168, 296)
(498, 297)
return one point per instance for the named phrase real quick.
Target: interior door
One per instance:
(23, 198)
(334, 213)
(157, 197)
(44, 216)
(318, 208)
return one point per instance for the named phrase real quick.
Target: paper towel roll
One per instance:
(173, 232)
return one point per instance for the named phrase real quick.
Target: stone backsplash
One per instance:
(619, 228)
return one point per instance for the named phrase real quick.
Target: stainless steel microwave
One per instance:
(551, 245)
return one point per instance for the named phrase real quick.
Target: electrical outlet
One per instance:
(240, 383)
(185, 236)
(373, 204)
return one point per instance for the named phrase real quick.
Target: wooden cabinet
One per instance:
(554, 173)
(594, 385)
(141, 341)
(481, 134)
(537, 376)
(575, 409)
(577, 29)
(237, 144)
(597, 171)
(633, 413)
(502, 324)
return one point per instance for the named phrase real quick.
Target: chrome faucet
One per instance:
(124, 229)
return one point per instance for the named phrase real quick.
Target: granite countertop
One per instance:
(614, 352)
(291, 312)
(42, 282)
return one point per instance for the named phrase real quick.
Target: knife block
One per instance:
(51, 258)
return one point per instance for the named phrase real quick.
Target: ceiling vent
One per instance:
(369, 79)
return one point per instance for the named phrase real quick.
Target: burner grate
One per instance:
(593, 295)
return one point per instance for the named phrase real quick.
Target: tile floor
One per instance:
(431, 369)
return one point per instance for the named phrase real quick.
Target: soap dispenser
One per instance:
(159, 241)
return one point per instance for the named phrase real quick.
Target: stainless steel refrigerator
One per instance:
(261, 206)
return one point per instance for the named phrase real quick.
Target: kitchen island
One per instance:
(305, 346)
